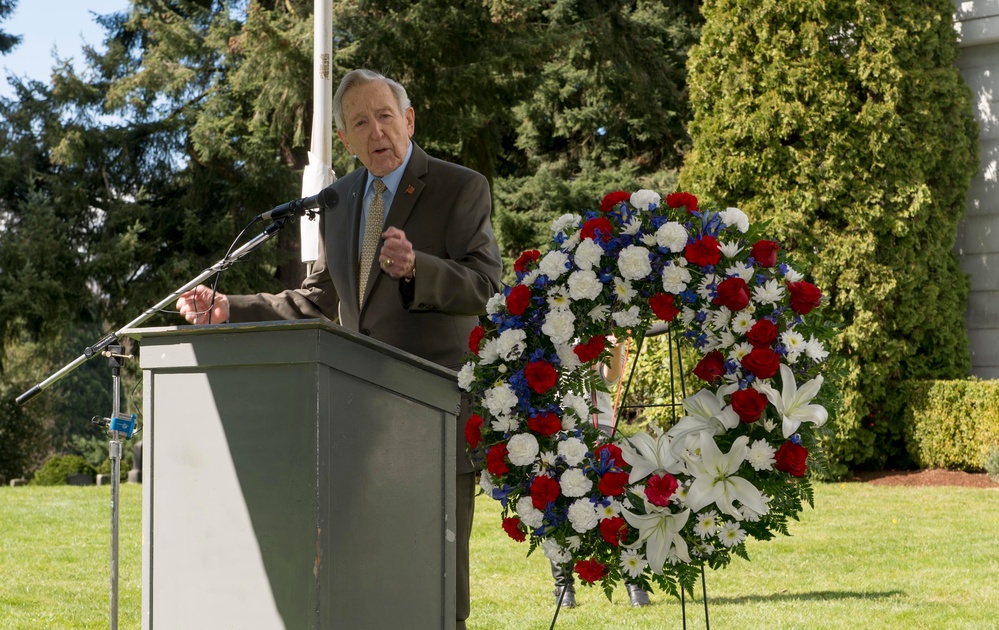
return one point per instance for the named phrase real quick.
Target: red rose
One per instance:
(762, 362)
(496, 460)
(612, 483)
(525, 259)
(512, 528)
(591, 349)
(765, 253)
(748, 404)
(475, 338)
(544, 423)
(540, 375)
(590, 228)
(519, 299)
(544, 490)
(614, 457)
(804, 296)
(711, 367)
(732, 294)
(614, 530)
(473, 430)
(660, 489)
(590, 570)
(662, 306)
(682, 199)
(703, 252)
(612, 199)
(762, 334)
(791, 458)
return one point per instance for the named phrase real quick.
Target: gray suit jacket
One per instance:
(444, 209)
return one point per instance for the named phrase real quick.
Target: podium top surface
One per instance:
(160, 333)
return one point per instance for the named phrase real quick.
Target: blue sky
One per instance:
(47, 25)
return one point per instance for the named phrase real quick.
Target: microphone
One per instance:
(326, 199)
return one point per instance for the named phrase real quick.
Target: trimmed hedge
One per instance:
(951, 424)
(58, 467)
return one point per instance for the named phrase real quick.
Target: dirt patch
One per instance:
(925, 478)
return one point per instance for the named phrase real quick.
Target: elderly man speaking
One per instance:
(409, 257)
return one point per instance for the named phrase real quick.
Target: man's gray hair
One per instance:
(361, 76)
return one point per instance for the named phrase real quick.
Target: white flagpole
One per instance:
(319, 173)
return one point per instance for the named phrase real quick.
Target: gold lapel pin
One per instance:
(410, 190)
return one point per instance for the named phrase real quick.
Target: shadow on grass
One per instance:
(813, 596)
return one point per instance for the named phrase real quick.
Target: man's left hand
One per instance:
(397, 258)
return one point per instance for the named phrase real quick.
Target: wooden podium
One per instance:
(296, 475)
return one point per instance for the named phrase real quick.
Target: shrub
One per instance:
(992, 463)
(952, 424)
(55, 470)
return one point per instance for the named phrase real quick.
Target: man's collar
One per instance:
(392, 180)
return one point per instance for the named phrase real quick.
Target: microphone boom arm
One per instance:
(112, 338)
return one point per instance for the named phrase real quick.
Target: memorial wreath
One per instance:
(654, 509)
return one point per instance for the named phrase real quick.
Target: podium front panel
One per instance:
(295, 476)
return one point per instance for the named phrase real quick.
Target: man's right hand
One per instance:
(193, 306)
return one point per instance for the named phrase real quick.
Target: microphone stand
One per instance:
(122, 425)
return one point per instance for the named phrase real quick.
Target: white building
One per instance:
(977, 22)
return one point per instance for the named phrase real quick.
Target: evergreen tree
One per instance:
(849, 127)
(7, 41)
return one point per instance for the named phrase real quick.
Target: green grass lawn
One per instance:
(867, 557)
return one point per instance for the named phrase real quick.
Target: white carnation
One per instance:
(559, 326)
(633, 262)
(511, 343)
(466, 376)
(643, 199)
(735, 218)
(568, 358)
(628, 318)
(499, 400)
(486, 483)
(584, 285)
(554, 264)
(564, 222)
(675, 279)
(489, 351)
(522, 449)
(530, 515)
(575, 483)
(583, 516)
(496, 304)
(588, 254)
(553, 551)
(531, 276)
(672, 236)
(573, 450)
(574, 408)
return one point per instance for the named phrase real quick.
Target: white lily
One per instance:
(715, 479)
(793, 402)
(647, 455)
(659, 530)
(707, 412)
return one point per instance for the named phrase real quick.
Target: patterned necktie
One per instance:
(372, 232)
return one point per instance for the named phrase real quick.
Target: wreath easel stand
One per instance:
(673, 345)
